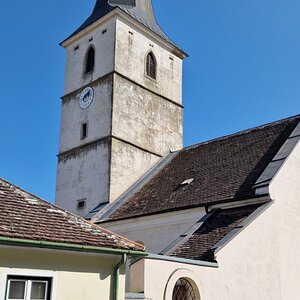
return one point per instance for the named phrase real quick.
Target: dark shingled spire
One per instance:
(141, 10)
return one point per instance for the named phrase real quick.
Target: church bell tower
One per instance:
(122, 104)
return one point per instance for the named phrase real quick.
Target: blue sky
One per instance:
(243, 71)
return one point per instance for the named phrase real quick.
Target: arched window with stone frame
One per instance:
(151, 65)
(89, 62)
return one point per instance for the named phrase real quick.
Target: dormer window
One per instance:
(151, 65)
(89, 61)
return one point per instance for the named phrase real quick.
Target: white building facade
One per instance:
(220, 218)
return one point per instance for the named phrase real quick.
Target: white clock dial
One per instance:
(86, 97)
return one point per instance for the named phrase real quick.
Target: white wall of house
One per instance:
(261, 262)
(74, 276)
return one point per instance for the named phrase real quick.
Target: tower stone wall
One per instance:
(133, 119)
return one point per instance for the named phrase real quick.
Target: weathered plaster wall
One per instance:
(97, 115)
(75, 276)
(141, 117)
(260, 263)
(132, 45)
(145, 119)
(84, 175)
(103, 40)
(127, 165)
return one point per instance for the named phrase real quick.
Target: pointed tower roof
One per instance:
(141, 10)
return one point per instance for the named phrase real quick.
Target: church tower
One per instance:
(122, 104)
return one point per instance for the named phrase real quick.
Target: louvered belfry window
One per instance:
(183, 290)
(151, 65)
(90, 61)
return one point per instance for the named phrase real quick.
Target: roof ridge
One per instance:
(106, 231)
(245, 131)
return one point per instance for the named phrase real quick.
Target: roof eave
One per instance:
(121, 13)
(8, 241)
(70, 39)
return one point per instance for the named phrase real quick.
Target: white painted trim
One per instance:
(28, 273)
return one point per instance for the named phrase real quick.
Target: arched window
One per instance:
(89, 61)
(151, 65)
(183, 290)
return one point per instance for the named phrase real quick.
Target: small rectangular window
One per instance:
(81, 203)
(84, 131)
(28, 288)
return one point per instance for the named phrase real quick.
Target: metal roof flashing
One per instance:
(174, 259)
(262, 184)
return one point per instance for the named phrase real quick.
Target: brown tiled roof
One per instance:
(200, 245)
(24, 216)
(224, 169)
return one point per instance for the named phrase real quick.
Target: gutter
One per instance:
(117, 276)
(68, 247)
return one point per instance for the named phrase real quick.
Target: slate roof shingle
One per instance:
(24, 216)
(200, 245)
(225, 169)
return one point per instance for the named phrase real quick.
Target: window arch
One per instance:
(89, 60)
(151, 65)
(183, 290)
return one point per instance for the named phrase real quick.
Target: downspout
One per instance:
(117, 276)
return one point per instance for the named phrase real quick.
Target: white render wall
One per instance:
(83, 176)
(104, 44)
(285, 190)
(97, 116)
(132, 46)
(128, 164)
(74, 276)
(262, 262)
(145, 119)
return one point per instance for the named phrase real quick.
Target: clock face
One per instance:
(86, 97)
